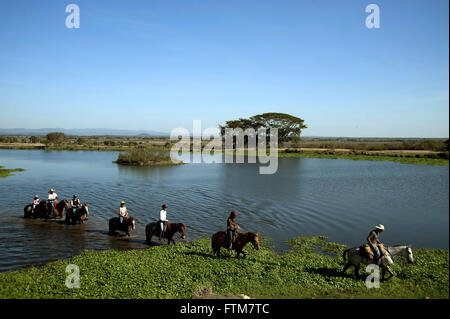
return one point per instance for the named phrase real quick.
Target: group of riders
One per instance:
(232, 226)
(374, 245)
(52, 198)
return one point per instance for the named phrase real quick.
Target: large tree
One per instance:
(56, 137)
(289, 126)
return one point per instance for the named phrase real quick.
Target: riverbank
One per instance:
(7, 172)
(188, 270)
(411, 157)
(416, 157)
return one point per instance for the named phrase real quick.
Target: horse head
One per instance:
(86, 209)
(254, 240)
(182, 230)
(132, 223)
(409, 254)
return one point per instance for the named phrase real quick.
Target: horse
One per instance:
(60, 207)
(152, 229)
(128, 225)
(40, 211)
(385, 262)
(218, 240)
(81, 214)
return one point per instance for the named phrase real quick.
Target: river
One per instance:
(341, 199)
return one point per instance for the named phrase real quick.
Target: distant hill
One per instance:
(81, 132)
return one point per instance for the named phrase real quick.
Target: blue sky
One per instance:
(158, 65)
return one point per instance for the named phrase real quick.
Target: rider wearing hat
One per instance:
(52, 197)
(373, 240)
(123, 212)
(162, 220)
(232, 228)
(35, 203)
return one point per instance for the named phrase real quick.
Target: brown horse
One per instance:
(40, 211)
(127, 226)
(218, 240)
(60, 208)
(81, 214)
(152, 229)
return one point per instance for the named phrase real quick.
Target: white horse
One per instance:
(385, 262)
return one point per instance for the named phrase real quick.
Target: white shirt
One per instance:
(123, 211)
(52, 196)
(162, 215)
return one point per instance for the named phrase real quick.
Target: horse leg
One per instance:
(391, 273)
(357, 272)
(346, 267)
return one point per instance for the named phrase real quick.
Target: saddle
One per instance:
(156, 228)
(366, 251)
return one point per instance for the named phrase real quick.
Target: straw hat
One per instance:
(51, 190)
(380, 227)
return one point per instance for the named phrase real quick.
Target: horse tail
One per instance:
(213, 246)
(344, 254)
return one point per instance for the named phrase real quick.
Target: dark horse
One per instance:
(40, 211)
(128, 225)
(81, 214)
(218, 240)
(60, 207)
(152, 229)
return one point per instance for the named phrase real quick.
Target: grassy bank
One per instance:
(7, 172)
(188, 270)
(402, 158)
(417, 159)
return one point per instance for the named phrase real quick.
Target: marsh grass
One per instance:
(8, 172)
(145, 156)
(398, 158)
(189, 270)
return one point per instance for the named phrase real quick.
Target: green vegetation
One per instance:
(372, 144)
(310, 269)
(146, 156)
(7, 172)
(402, 158)
(56, 138)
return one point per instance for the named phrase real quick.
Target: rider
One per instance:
(373, 241)
(52, 197)
(123, 212)
(75, 203)
(232, 228)
(162, 220)
(35, 203)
